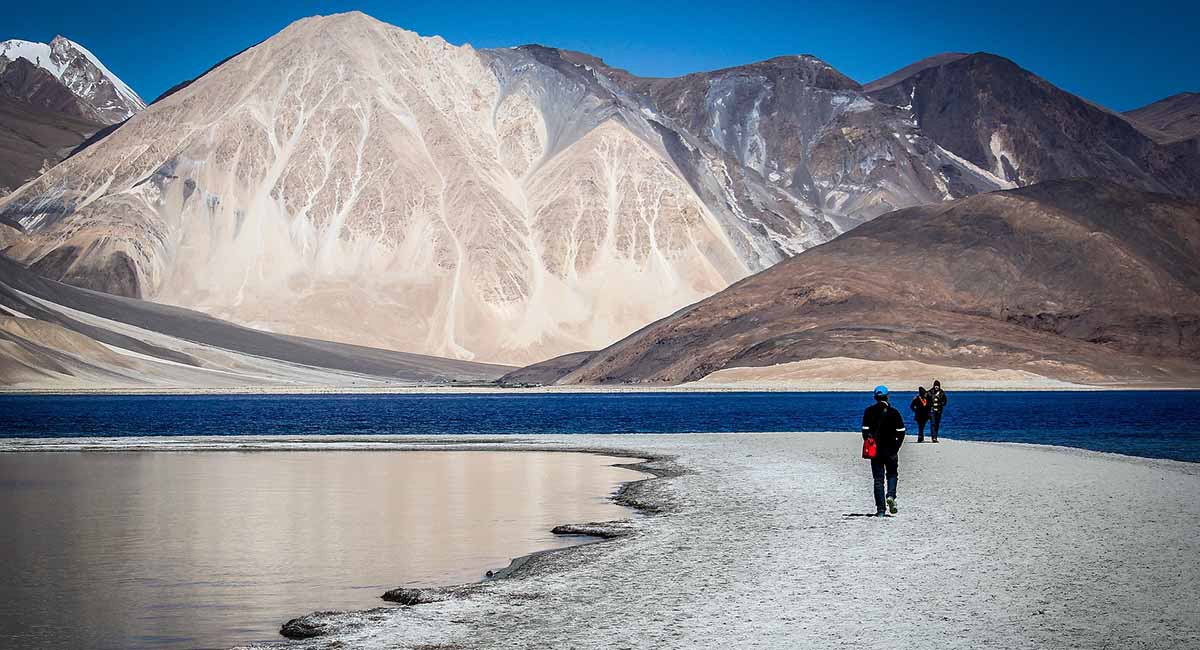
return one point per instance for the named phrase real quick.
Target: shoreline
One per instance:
(642, 495)
(632, 494)
(714, 523)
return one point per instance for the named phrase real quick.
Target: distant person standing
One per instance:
(920, 407)
(884, 424)
(937, 404)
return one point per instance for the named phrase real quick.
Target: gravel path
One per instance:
(996, 545)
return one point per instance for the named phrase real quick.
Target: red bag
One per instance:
(869, 448)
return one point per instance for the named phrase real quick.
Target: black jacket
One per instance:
(921, 411)
(884, 424)
(937, 399)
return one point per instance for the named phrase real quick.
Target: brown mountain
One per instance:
(1079, 280)
(912, 69)
(1023, 129)
(807, 130)
(31, 138)
(1168, 120)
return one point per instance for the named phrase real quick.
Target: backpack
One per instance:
(870, 446)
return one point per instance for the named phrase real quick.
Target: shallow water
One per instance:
(211, 549)
(1162, 424)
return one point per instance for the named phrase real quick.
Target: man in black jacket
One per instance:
(920, 407)
(937, 404)
(886, 426)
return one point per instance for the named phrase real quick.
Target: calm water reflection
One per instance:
(211, 549)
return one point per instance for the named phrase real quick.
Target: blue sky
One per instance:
(1119, 54)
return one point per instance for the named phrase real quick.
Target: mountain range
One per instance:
(1077, 280)
(353, 182)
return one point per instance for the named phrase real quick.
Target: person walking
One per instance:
(937, 404)
(885, 426)
(920, 407)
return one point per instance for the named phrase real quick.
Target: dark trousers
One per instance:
(878, 466)
(921, 430)
(935, 423)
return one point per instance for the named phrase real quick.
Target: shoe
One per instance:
(882, 513)
(934, 440)
(920, 440)
(891, 503)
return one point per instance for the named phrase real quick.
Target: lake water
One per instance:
(1162, 424)
(207, 549)
(210, 549)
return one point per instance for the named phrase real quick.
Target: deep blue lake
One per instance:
(1160, 424)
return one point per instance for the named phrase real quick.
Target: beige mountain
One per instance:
(58, 337)
(352, 181)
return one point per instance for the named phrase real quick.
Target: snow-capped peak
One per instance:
(122, 88)
(36, 53)
(81, 72)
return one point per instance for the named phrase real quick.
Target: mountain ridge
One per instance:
(1006, 119)
(349, 180)
(1081, 280)
(1170, 119)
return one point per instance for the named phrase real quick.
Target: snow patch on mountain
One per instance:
(123, 89)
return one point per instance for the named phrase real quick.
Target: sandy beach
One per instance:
(746, 542)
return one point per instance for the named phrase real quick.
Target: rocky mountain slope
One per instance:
(33, 140)
(55, 336)
(352, 181)
(1024, 130)
(1077, 280)
(912, 69)
(1168, 120)
(809, 132)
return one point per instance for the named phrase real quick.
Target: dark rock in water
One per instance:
(409, 596)
(305, 627)
(603, 530)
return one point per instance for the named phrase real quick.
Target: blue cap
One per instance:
(881, 391)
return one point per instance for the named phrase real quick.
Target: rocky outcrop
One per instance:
(307, 627)
(410, 596)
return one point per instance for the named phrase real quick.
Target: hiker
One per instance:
(885, 426)
(937, 404)
(920, 407)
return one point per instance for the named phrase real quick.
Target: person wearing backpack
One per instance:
(920, 407)
(937, 404)
(884, 426)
